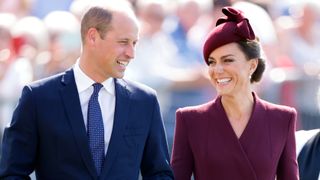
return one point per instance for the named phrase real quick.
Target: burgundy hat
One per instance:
(233, 28)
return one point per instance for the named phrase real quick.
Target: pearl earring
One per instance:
(250, 76)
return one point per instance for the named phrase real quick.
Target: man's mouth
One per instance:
(123, 63)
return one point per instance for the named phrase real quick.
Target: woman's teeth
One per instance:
(224, 80)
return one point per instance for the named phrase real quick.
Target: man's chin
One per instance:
(119, 76)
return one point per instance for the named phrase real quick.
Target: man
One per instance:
(308, 153)
(88, 122)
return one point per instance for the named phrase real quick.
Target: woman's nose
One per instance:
(218, 68)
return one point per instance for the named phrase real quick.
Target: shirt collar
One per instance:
(84, 82)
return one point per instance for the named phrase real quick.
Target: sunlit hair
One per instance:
(252, 50)
(99, 16)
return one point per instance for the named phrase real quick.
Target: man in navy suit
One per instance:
(49, 129)
(308, 148)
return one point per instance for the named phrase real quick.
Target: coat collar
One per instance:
(219, 126)
(71, 102)
(123, 105)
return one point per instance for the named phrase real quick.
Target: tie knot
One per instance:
(96, 87)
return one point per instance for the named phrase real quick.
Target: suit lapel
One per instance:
(72, 106)
(121, 115)
(223, 132)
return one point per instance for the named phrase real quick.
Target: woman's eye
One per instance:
(228, 60)
(211, 62)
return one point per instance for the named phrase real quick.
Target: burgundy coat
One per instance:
(206, 145)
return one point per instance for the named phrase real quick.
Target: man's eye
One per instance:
(123, 42)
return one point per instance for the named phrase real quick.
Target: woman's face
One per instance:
(230, 71)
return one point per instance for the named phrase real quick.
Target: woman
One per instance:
(237, 135)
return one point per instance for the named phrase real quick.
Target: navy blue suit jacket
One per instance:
(47, 134)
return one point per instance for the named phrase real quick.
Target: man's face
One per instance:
(113, 52)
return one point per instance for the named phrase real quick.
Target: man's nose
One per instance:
(130, 51)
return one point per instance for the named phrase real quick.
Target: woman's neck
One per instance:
(238, 107)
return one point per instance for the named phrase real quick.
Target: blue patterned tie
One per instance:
(95, 128)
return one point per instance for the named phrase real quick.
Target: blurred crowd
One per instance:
(39, 38)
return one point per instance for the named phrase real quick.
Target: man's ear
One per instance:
(92, 35)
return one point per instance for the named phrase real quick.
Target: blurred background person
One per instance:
(7, 55)
(300, 41)
(31, 39)
(155, 50)
(7, 43)
(64, 44)
(187, 29)
(158, 63)
(19, 8)
(263, 26)
(40, 8)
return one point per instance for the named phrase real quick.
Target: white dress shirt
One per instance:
(302, 137)
(106, 100)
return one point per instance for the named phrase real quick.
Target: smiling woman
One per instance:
(229, 67)
(231, 137)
